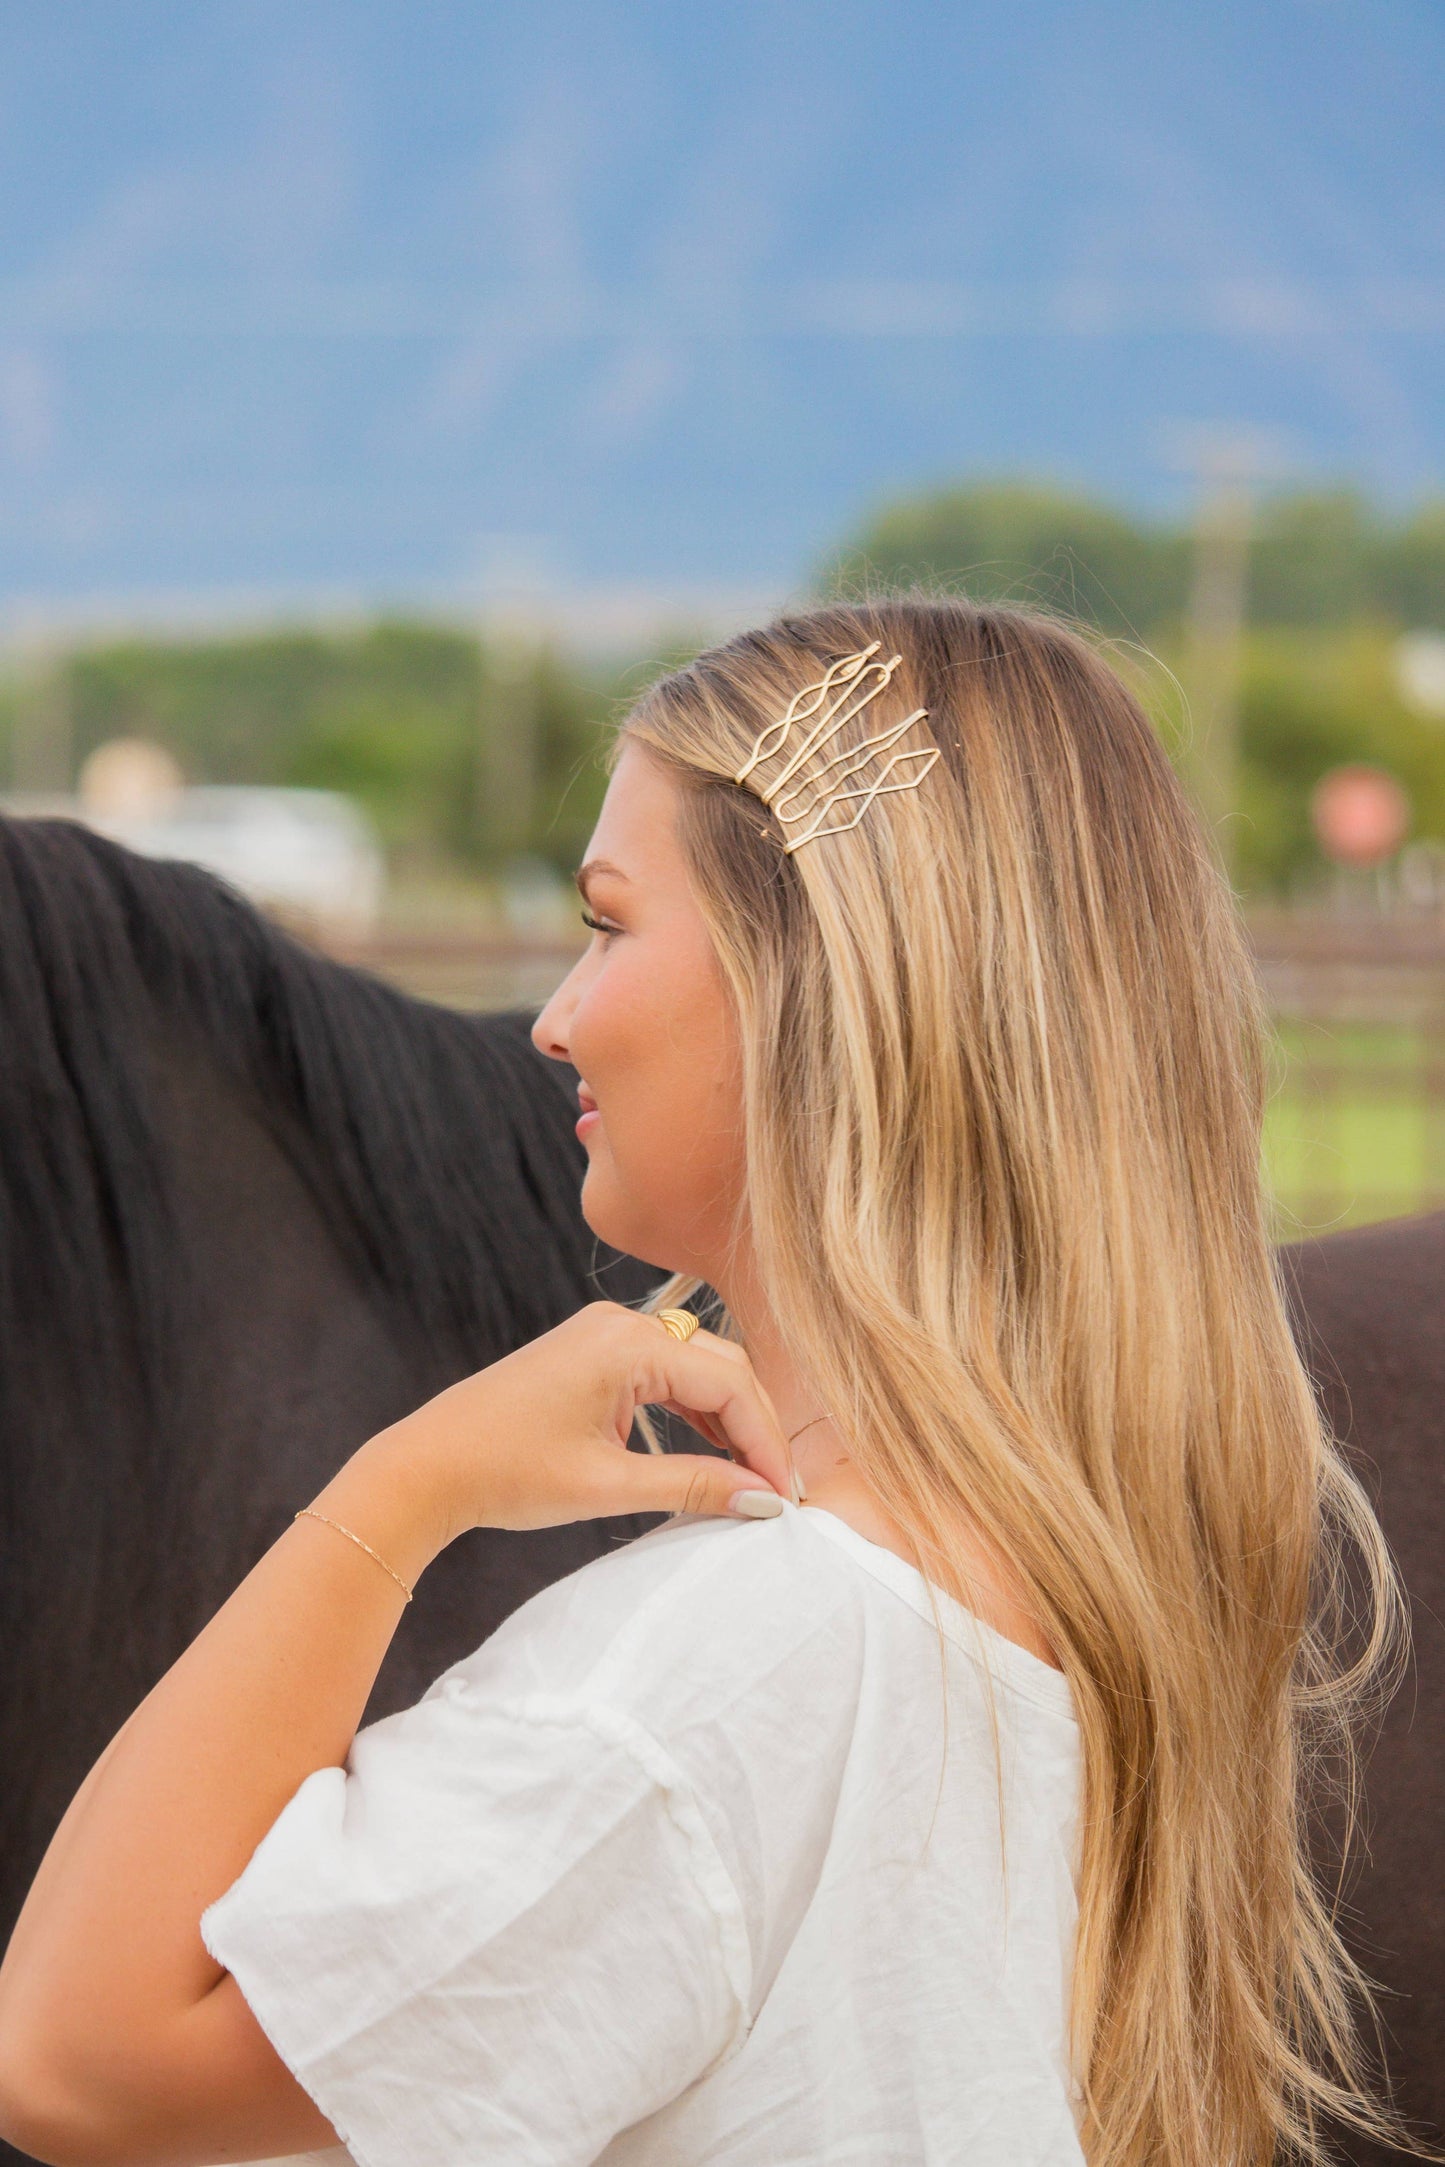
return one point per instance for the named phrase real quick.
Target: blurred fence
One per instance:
(465, 968)
(1355, 1129)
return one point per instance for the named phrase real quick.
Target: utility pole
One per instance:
(1218, 599)
(510, 726)
(42, 751)
(1226, 465)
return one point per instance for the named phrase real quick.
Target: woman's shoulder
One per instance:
(702, 1606)
(740, 1618)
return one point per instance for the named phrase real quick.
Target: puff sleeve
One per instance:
(501, 1932)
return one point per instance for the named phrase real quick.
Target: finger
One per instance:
(686, 1482)
(714, 1378)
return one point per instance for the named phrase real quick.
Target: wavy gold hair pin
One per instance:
(820, 711)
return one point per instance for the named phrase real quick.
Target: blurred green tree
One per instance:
(1310, 702)
(1316, 558)
(1312, 560)
(1025, 543)
(397, 714)
(1409, 570)
(468, 756)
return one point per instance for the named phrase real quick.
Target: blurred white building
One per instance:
(307, 855)
(1420, 673)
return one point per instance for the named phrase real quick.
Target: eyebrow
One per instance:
(595, 867)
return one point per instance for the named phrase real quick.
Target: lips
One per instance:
(585, 1100)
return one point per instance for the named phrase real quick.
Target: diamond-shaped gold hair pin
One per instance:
(840, 695)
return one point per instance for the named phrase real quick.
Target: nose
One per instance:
(551, 1031)
(545, 1033)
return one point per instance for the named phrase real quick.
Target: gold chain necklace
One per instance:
(809, 1425)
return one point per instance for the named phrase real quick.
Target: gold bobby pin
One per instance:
(836, 700)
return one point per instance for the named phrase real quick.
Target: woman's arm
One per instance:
(121, 2039)
(120, 2032)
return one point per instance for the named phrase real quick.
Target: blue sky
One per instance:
(399, 297)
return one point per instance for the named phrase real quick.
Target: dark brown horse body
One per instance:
(1369, 1311)
(254, 1206)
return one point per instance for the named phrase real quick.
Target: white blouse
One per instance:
(704, 1856)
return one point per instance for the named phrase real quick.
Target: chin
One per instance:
(609, 1218)
(606, 1213)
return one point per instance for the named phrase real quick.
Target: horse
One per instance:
(255, 1205)
(1366, 1306)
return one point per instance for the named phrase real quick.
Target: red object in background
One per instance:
(1360, 814)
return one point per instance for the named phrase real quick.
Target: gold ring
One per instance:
(681, 1323)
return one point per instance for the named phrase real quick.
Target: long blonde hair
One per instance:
(1005, 1062)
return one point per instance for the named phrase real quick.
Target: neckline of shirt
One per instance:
(1028, 1673)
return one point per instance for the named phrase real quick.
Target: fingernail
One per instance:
(755, 1504)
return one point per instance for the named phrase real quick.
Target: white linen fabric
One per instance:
(705, 1856)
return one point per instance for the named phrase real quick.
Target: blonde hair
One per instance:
(1005, 1061)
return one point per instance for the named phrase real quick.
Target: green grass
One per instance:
(1352, 1132)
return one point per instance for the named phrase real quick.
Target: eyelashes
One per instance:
(596, 924)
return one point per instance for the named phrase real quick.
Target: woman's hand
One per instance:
(121, 2038)
(540, 1437)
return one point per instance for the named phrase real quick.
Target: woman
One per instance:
(930, 1790)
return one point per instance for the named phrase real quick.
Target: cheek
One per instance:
(654, 1043)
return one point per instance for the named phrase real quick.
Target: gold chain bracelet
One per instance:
(308, 1512)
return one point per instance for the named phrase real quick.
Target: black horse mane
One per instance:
(432, 1132)
(144, 1010)
(438, 1143)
